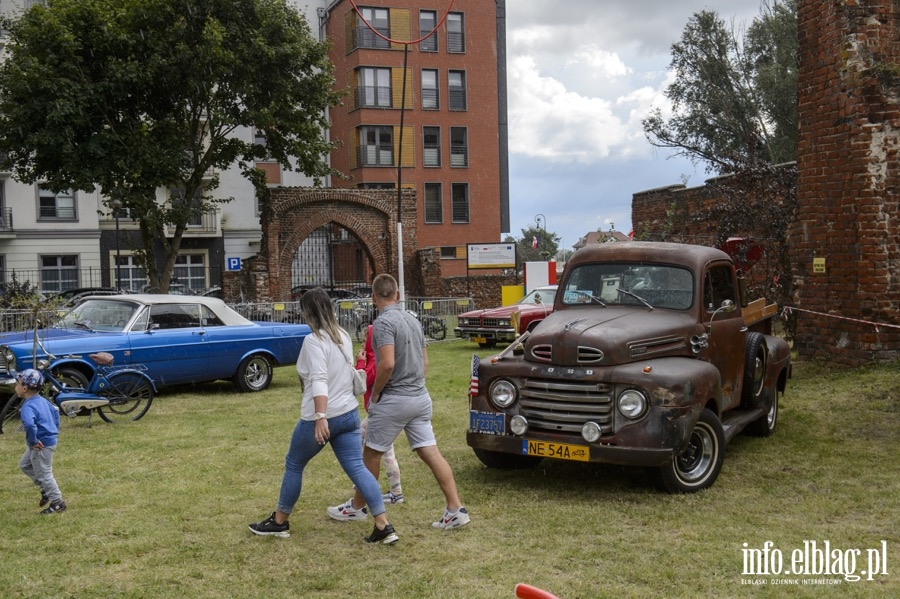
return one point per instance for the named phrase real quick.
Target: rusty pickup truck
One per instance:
(652, 357)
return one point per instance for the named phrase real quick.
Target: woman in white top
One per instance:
(329, 413)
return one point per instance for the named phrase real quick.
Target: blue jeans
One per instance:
(346, 442)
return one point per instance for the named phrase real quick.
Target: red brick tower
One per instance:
(846, 235)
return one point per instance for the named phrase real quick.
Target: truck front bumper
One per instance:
(651, 442)
(597, 452)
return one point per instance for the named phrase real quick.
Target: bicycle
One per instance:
(117, 393)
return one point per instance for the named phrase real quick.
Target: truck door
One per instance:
(726, 337)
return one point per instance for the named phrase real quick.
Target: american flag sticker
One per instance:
(473, 382)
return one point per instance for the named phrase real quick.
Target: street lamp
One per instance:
(540, 222)
(116, 204)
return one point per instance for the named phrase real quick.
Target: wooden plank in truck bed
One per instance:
(757, 310)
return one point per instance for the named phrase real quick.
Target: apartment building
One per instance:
(453, 154)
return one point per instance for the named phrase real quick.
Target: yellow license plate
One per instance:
(562, 451)
(479, 339)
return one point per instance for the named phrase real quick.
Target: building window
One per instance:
(456, 34)
(430, 94)
(378, 19)
(457, 89)
(376, 146)
(260, 138)
(459, 146)
(131, 276)
(58, 273)
(449, 252)
(460, 199)
(374, 88)
(195, 207)
(190, 270)
(434, 204)
(56, 206)
(431, 146)
(427, 22)
(2, 268)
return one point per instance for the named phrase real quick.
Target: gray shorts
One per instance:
(395, 413)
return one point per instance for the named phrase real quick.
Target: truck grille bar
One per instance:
(566, 406)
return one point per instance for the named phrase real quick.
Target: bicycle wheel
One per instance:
(10, 414)
(129, 395)
(435, 327)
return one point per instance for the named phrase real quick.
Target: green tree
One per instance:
(547, 245)
(130, 96)
(733, 100)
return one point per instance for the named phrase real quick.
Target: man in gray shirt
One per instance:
(400, 402)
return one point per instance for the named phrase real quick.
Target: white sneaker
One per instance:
(389, 497)
(346, 513)
(452, 520)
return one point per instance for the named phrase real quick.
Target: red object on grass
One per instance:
(526, 591)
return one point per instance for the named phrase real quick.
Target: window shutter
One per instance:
(397, 88)
(409, 146)
(400, 26)
(353, 89)
(349, 33)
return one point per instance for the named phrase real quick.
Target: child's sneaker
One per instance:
(44, 500)
(386, 535)
(270, 527)
(453, 519)
(346, 512)
(56, 506)
(389, 497)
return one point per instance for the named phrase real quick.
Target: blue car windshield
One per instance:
(656, 285)
(99, 315)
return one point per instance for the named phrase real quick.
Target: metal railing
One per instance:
(354, 315)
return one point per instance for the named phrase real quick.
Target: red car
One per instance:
(487, 328)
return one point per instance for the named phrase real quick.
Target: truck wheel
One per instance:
(765, 425)
(698, 466)
(755, 362)
(506, 461)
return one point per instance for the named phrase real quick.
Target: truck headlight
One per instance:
(503, 393)
(632, 404)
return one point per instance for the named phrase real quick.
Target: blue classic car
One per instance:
(180, 339)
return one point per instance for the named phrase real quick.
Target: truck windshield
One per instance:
(661, 286)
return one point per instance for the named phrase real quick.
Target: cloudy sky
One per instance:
(582, 74)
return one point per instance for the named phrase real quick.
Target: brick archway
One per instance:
(291, 214)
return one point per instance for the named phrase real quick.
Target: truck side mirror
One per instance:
(727, 307)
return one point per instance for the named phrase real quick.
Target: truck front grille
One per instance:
(564, 406)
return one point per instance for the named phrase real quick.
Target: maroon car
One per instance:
(487, 328)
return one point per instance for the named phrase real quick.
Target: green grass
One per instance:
(160, 507)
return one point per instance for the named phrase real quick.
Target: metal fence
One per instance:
(438, 315)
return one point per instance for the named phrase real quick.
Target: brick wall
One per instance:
(848, 154)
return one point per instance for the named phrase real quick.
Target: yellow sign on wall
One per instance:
(819, 265)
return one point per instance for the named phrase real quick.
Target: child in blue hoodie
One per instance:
(40, 420)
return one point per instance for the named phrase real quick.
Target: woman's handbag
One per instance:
(359, 376)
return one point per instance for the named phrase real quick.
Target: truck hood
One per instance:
(598, 336)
